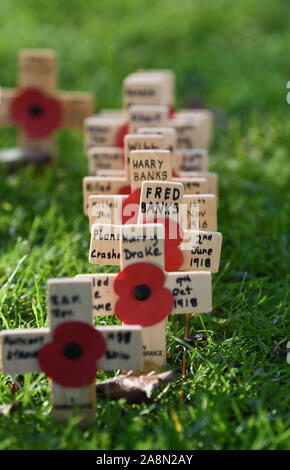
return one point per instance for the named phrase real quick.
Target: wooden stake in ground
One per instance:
(144, 294)
(38, 108)
(71, 350)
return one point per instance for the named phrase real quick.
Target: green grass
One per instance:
(235, 57)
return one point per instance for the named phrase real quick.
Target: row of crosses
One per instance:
(144, 218)
(135, 182)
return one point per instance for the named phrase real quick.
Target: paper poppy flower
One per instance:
(71, 358)
(130, 207)
(173, 237)
(125, 190)
(121, 134)
(38, 114)
(142, 298)
(172, 111)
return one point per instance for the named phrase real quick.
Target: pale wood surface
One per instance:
(77, 106)
(201, 211)
(193, 184)
(191, 291)
(201, 251)
(104, 158)
(94, 185)
(105, 244)
(169, 82)
(205, 117)
(169, 134)
(190, 160)
(104, 297)
(38, 69)
(73, 401)
(142, 243)
(124, 348)
(160, 198)
(46, 144)
(142, 89)
(141, 142)
(106, 173)
(101, 130)
(105, 209)
(6, 97)
(19, 349)
(69, 299)
(212, 179)
(146, 165)
(141, 116)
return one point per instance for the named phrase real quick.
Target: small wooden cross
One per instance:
(144, 294)
(149, 87)
(71, 350)
(38, 108)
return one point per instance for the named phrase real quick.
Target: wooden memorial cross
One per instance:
(149, 87)
(192, 250)
(38, 108)
(143, 294)
(71, 350)
(147, 115)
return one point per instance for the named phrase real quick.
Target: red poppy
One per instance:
(38, 114)
(71, 358)
(121, 134)
(125, 190)
(143, 299)
(171, 112)
(130, 207)
(173, 237)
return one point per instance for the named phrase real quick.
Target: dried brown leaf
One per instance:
(133, 388)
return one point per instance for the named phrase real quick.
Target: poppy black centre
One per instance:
(142, 292)
(73, 351)
(35, 110)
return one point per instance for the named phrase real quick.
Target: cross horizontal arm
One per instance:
(124, 348)
(77, 106)
(104, 297)
(6, 97)
(191, 291)
(19, 349)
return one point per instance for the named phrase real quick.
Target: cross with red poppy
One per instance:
(71, 350)
(144, 294)
(164, 202)
(38, 108)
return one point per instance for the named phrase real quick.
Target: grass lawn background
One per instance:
(235, 58)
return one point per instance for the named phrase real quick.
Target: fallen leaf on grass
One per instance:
(133, 388)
